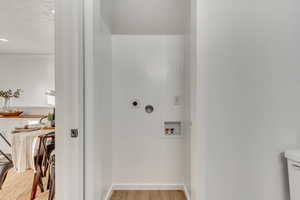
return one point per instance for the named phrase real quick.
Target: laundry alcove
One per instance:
(140, 98)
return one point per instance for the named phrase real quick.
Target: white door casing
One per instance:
(69, 76)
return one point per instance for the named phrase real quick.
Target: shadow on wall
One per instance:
(285, 175)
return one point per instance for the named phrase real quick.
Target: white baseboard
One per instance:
(187, 193)
(148, 187)
(109, 193)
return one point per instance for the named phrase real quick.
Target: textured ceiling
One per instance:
(28, 25)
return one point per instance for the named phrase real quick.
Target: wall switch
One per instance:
(177, 100)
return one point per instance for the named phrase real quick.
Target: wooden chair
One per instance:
(6, 163)
(51, 180)
(39, 160)
(49, 146)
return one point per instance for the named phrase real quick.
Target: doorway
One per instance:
(27, 100)
(137, 80)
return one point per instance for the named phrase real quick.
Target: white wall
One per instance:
(106, 12)
(32, 73)
(149, 17)
(187, 94)
(248, 95)
(103, 110)
(98, 101)
(149, 68)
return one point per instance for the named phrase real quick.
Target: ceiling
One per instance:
(28, 25)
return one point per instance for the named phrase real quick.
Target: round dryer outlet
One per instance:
(149, 109)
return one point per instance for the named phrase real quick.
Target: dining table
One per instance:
(24, 148)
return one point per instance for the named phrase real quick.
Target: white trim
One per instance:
(187, 193)
(69, 81)
(148, 187)
(31, 106)
(109, 193)
(26, 54)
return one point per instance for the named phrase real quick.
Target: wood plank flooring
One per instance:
(17, 186)
(148, 195)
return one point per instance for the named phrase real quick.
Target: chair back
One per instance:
(40, 147)
(1, 152)
(37, 151)
(4, 138)
(6, 163)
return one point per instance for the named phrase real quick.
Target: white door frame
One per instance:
(69, 75)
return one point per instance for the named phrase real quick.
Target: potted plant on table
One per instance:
(51, 118)
(7, 95)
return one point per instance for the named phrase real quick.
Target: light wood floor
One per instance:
(17, 186)
(148, 195)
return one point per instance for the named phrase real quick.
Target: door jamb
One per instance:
(69, 81)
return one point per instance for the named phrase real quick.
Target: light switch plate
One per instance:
(177, 100)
